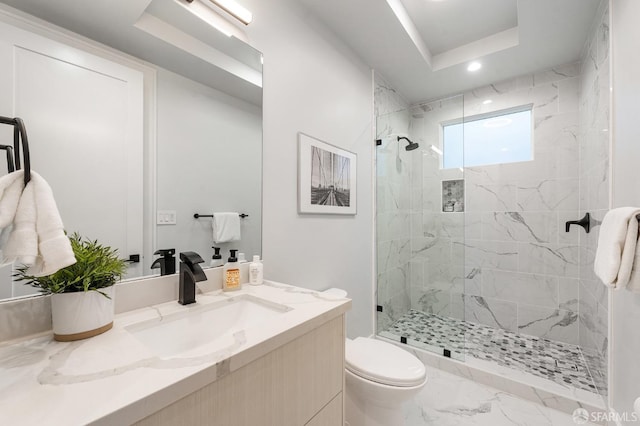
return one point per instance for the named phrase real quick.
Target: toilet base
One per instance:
(360, 413)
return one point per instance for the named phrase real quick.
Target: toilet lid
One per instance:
(383, 362)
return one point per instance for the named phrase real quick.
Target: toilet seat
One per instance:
(383, 363)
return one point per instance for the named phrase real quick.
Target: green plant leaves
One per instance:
(97, 266)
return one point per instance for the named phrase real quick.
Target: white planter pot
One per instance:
(81, 315)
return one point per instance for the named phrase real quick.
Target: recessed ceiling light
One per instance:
(474, 66)
(486, 102)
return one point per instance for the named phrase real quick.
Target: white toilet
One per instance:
(379, 377)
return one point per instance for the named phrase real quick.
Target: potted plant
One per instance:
(81, 294)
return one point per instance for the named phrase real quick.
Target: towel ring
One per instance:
(19, 135)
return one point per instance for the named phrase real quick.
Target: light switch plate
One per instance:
(166, 217)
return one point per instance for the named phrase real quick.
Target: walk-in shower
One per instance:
(473, 261)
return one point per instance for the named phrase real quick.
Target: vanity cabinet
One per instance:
(298, 383)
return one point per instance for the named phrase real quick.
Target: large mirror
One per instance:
(140, 115)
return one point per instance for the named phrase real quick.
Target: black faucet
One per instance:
(166, 263)
(190, 274)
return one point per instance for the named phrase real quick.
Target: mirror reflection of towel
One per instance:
(226, 227)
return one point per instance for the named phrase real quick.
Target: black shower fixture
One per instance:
(411, 146)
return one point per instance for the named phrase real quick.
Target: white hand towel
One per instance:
(22, 245)
(634, 279)
(226, 227)
(11, 186)
(617, 245)
(54, 247)
(38, 238)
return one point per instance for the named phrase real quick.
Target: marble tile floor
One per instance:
(555, 361)
(450, 400)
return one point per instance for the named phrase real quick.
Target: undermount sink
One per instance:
(211, 325)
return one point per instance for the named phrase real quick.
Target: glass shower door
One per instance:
(420, 230)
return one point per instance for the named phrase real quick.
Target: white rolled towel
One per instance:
(226, 227)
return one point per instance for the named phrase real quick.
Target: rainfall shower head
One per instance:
(411, 146)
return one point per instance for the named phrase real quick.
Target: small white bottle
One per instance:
(256, 271)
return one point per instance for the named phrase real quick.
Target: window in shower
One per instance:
(495, 138)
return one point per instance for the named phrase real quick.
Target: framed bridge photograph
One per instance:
(326, 178)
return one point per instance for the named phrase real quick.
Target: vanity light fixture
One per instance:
(234, 9)
(474, 66)
(209, 16)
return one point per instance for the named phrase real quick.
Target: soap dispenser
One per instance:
(231, 273)
(216, 259)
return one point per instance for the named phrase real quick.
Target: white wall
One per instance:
(208, 160)
(314, 84)
(625, 307)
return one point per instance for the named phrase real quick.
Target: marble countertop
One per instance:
(113, 378)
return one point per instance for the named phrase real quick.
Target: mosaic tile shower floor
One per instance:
(555, 361)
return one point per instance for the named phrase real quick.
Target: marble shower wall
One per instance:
(393, 205)
(507, 261)
(594, 192)
(437, 268)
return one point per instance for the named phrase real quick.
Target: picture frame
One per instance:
(326, 178)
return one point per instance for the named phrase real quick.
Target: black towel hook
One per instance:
(585, 222)
(19, 135)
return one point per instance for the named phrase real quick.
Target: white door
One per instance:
(84, 120)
